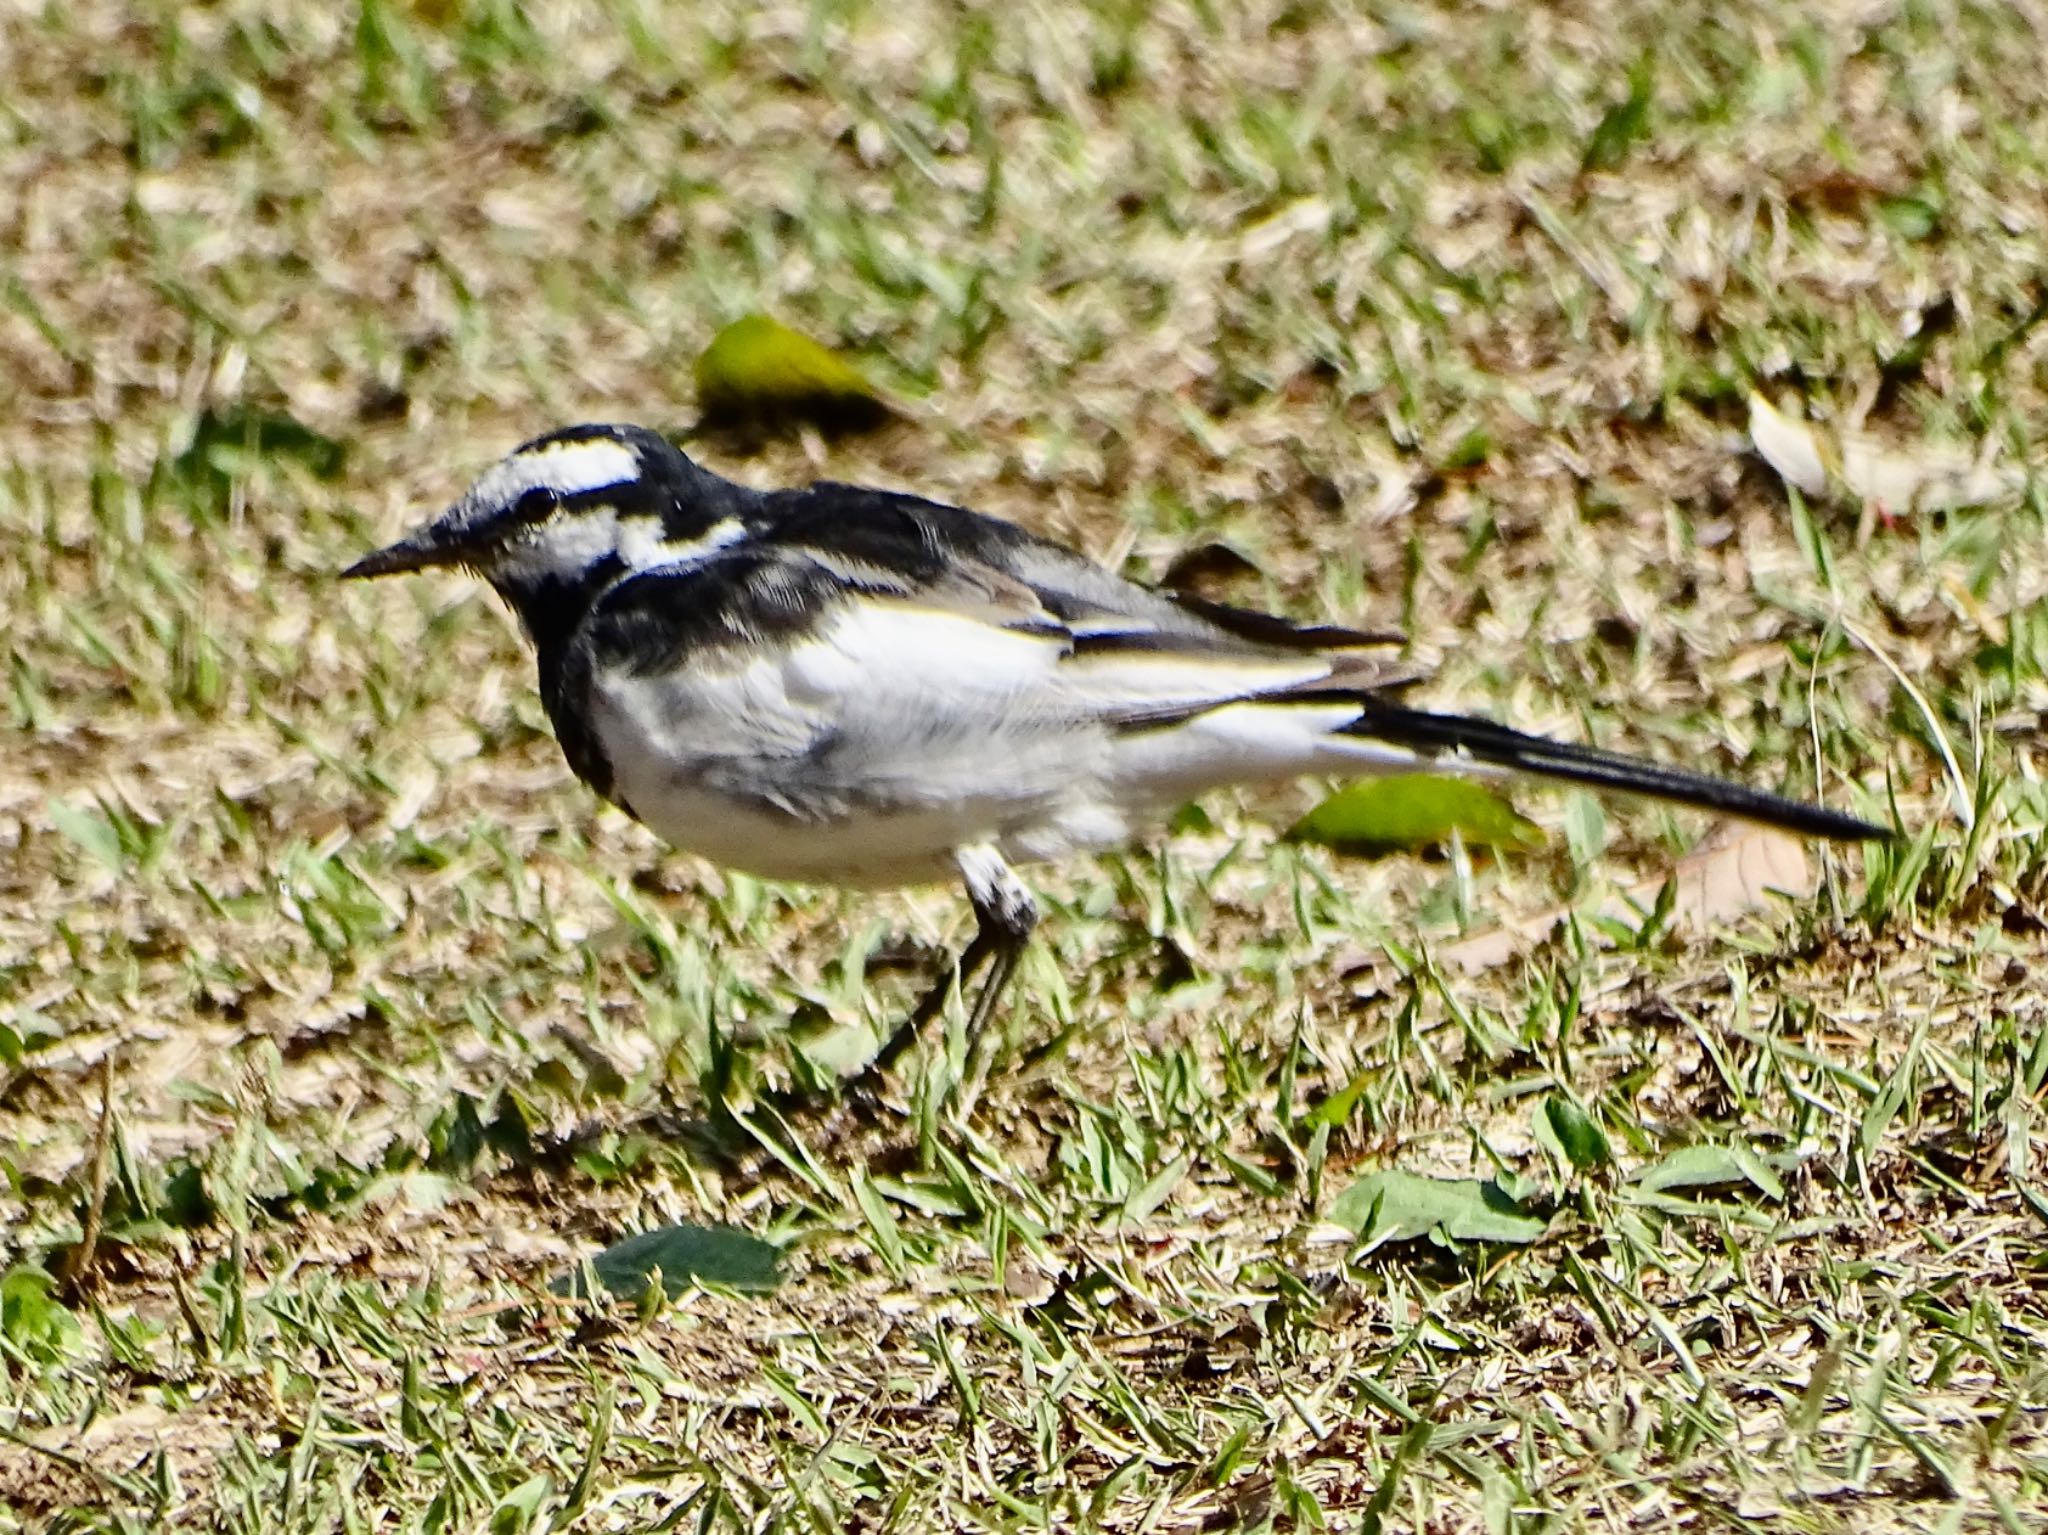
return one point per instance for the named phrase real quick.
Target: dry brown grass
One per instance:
(1411, 308)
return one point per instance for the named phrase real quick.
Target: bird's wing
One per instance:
(1142, 654)
(832, 679)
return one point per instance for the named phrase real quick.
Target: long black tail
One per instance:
(1485, 741)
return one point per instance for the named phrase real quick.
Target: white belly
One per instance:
(874, 814)
(879, 850)
(783, 767)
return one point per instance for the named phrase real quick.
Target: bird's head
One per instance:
(567, 513)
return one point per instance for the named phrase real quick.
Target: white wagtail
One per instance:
(862, 688)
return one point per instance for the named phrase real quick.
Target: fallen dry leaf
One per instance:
(1788, 445)
(1930, 477)
(1735, 869)
(1935, 477)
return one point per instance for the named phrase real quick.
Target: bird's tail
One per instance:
(1450, 736)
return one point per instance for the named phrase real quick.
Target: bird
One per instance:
(847, 686)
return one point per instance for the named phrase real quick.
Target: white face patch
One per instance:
(567, 468)
(643, 545)
(567, 543)
(573, 541)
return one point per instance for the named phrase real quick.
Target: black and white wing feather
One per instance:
(888, 607)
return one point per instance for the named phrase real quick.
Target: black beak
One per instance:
(416, 551)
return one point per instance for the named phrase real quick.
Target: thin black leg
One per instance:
(977, 953)
(1002, 968)
(1005, 914)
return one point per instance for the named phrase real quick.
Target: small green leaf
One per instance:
(1891, 1097)
(1573, 1133)
(1585, 829)
(1696, 1167)
(516, 1509)
(758, 369)
(1910, 218)
(91, 832)
(1406, 811)
(33, 1319)
(684, 1255)
(1492, 137)
(1413, 1443)
(1469, 452)
(881, 1221)
(25, 1033)
(456, 1137)
(1335, 1111)
(1396, 1206)
(1143, 1202)
(1625, 124)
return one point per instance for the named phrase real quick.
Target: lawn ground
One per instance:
(337, 1022)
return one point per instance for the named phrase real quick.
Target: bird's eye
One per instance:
(537, 505)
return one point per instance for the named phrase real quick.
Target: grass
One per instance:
(337, 1023)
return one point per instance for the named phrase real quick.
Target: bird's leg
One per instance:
(1005, 914)
(932, 1003)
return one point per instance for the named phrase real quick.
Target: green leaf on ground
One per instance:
(1396, 1206)
(684, 1255)
(1335, 1110)
(1407, 811)
(1910, 218)
(234, 442)
(32, 1320)
(1697, 1167)
(758, 369)
(90, 832)
(1572, 1133)
(516, 1509)
(25, 1033)
(1625, 124)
